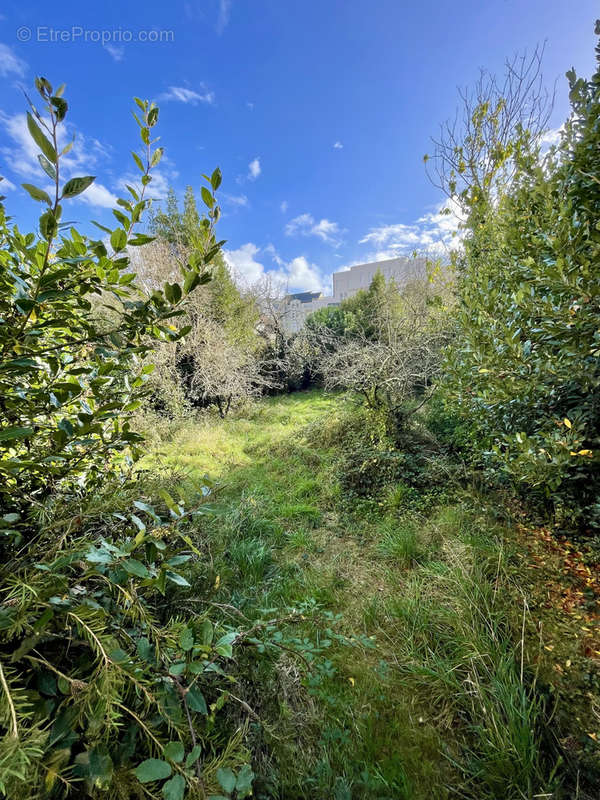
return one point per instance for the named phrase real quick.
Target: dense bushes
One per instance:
(384, 344)
(71, 377)
(220, 360)
(524, 373)
(105, 686)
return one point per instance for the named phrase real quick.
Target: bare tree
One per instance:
(220, 372)
(478, 144)
(395, 365)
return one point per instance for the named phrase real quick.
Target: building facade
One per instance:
(347, 283)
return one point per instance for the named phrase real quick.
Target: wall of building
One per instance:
(347, 283)
(296, 312)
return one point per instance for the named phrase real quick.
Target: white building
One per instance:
(346, 284)
(296, 308)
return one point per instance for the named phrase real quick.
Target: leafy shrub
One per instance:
(524, 372)
(75, 328)
(104, 686)
(91, 646)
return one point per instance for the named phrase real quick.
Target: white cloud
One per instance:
(306, 225)
(297, 274)
(270, 248)
(254, 169)
(6, 185)
(325, 230)
(239, 200)
(182, 95)
(98, 196)
(435, 233)
(301, 275)
(337, 146)
(243, 263)
(21, 155)
(224, 14)
(116, 53)
(157, 188)
(551, 138)
(11, 64)
(250, 106)
(284, 206)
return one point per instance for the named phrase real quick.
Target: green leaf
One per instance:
(156, 156)
(152, 769)
(14, 432)
(137, 522)
(174, 788)
(138, 161)
(118, 655)
(206, 632)
(186, 639)
(102, 227)
(193, 756)
(37, 194)
(226, 778)
(195, 700)
(207, 197)
(215, 179)
(144, 649)
(40, 139)
(243, 784)
(227, 639)
(118, 240)
(173, 292)
(48, 225)
(60, 107)
(179, 580)
(192, 279)
(100, 764)
(135, 567)
(177, 561)
(43, 86)
(140, 239)
(153, 117)
(174, 751)
(76, 186)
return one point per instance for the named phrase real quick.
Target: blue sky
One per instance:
(318, 112)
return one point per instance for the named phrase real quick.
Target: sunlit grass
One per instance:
(435, 701)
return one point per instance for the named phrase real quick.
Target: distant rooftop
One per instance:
(303, 297)
(381, 265)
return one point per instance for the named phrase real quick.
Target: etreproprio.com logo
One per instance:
(77, 33)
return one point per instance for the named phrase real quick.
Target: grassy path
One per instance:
(430, 696)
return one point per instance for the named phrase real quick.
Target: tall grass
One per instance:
(439, 706)
(459, 650)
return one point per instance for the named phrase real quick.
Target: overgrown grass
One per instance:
(430, 698)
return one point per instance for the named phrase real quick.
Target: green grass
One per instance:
(430, 702)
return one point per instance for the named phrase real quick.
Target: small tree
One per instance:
(392, 352)
(69, 381)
